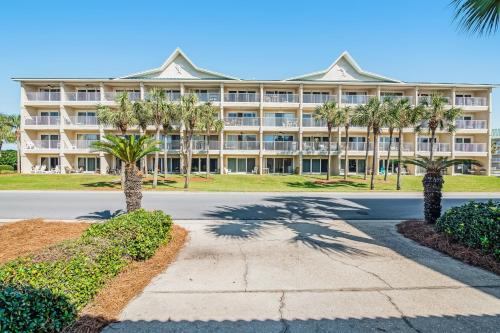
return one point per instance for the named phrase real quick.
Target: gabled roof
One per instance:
(178, 66)
(344, 68)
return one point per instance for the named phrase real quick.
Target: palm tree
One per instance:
(6, 133)
(433, 182)
(363, 117)
(329, 113)
(143, 117)
(129, 150)
(436, 115)
(209, 122)
(15, 124)
(392, 113)
(345, 118)
(477, 16)
(379, 115)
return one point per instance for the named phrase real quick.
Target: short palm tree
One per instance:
(129, 150)
(433, 182)
(15, 124)
(477, 16)
(345, 118)
(363, 117)
(438, 116)
(6, 132)
(329, 113)
(210, 122)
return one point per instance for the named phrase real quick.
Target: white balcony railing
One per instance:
(471, 147)
(242, 97)
(397, 98)
(384, 146)
(356, 99)
(315, 98)
(470, 124)
(132, 95)
(80, 144)
(83, 121)
(43, 120)
(281, 98)
(242, 145)
(83, 96)
(173, 145)
(311, 122)
(427, 100)
(281, 145)
(356, 146)
(208, 97)
(437, 147)
(43, 96)
(318, 147)
(281, 121)
(471, 101)
(43, 144)
(202, 144)
(241, 121)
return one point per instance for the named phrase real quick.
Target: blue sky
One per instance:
(408, 40)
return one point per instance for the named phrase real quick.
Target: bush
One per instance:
(6, 168)
(8, 157)
(474, 224)
(77, 269)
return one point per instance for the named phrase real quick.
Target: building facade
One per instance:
(269, 124)
(495, 151)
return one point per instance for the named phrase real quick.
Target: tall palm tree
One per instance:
(433, 182)
(438, 116)
(15, 124)
(378, 116)
(363, 117)
(210, 122)
(345, 118)
(329, 113)
(6, 133)
(143, 117)
(392, 113)
(477, 16)
(129, 150)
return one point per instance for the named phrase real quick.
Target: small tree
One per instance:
(345, 118)
(15, 124)
(329, 113)
(209, 122)
(129, 150)
(6, 132)
(433, 182)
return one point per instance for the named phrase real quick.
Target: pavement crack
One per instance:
(245, 271)
(282, 319)
(403, 316)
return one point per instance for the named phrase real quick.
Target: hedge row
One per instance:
(474, 224)
(6, 168)
(8, 157)
(45, 291)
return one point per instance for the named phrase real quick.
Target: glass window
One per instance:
(231, 164)
(250, 164)
(306, 165)
(316, 165)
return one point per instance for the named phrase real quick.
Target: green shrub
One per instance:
(474, 224)
(6, 168)
(78, 269)
(8, 157)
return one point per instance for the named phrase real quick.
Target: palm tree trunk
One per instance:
(157, 158)
(189, 160)
(431, 144)
(207, 139)
(18, 164)
(122, 173)
(367, 149)
(346, 153)
(391, 132)
(165, 160)
(374, 160)
(398, 181)
(133, 187)
(433, 184)
(329, 153)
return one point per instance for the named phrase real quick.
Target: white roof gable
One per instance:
(344, 68)
(178, 66)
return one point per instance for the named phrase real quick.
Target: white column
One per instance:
(261, 129)
(488, 122)
(101, 89)
(62, 135)
(142, 91)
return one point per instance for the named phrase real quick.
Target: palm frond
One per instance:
(477, 16)
(128, 149)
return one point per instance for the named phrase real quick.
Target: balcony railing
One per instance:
(311, 122)
(471, 147)
(208, 97)
(242, 145)
(355, 146)
(281, 98)
(43, 144)
(202, 145)
(281, 121)
(437, 147)
(80, 144)
(427, 100)
(471, 101)
(312, 98)
(318, 146)
(43, 96)
(242, 97)
(172, 145)
(470, 124)
(356, 99)
(397, 98)
(83, 121)
(384, 146)
(241, 121)
(83, 96)
(132, 95)
(281, 145)
(43, 120)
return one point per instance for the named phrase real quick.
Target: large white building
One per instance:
(269, 127)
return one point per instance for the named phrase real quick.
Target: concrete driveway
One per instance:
(312, 275)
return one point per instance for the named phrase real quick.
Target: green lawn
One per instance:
(251, 183)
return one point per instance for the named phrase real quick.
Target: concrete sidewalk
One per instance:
(312, 276)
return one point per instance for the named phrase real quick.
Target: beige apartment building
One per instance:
(269, 124)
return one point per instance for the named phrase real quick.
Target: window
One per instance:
(199, 164)
(49, 113)
(241, 165)
(88, 137)
(279, 165)
(89, 164)
(355, 166)
(50, 162)
(463, 140)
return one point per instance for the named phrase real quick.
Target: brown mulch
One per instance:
(116, 294)
(24, 237)
(425, 234)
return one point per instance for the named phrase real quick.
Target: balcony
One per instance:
(242, 97)
(43, 144)
(311, 122)
(318, 99)
(437, 147)
(241, 121)
(80, 144)
(83, 121)
(318, 147)
(356, 99)
(43, 120)
(43, 96)
(471, 147)
(83, 96)
(281, 98)
(202, 145)
(242, 145)
(355, 146)
(426, 100)
(281, 121)
(132, 95)
(173, 145)
(397, 98)
(471, 101)
(208, 97)
(289, 146)
(384, 146)
(470, 124)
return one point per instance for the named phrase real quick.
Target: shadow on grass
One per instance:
(111, 184)
(328, 185)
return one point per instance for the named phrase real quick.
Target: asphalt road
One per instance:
(216, 206)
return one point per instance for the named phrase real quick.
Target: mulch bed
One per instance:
(425, 234)
(115, 295)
